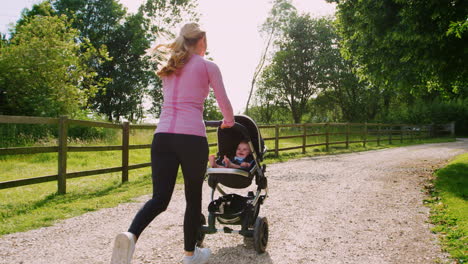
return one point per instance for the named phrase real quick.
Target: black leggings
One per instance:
(168, 151)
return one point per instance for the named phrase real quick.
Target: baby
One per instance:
(239, 161)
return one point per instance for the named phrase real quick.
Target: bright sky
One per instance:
(232, 31)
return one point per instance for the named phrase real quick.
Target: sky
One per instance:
(233, 37)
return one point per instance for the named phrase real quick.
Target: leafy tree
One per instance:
(130, 69)
(42, 69)
(411, 45)
(345, 97)
(128, 39)
(97, 20)
(279, 13)
(300, 67)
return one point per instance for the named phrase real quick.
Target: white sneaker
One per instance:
(124, 246)
(200, 256)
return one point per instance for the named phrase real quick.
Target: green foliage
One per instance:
(458, 28)
(42, 69)
(436, 111)
(450, 207)
(130, 69)
(211, 109)
(299, 68)
(105, 24)
(127, 37)
(405, 45)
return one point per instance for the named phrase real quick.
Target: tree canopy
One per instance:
(43, 71)
(417, 46)
(115, 45)
(300, 67)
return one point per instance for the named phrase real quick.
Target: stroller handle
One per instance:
(213, 123)
(237, 126)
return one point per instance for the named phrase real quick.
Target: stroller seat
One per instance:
(232, 178)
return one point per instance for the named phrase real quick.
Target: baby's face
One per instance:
(243, 150)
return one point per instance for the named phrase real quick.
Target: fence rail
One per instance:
(383, 132)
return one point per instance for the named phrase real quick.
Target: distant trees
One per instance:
(379, 61)
(307, 74)
(127, 38)
(108, 41)
(271, 29)
(43, 70)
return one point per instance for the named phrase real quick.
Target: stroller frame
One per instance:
(253, 228)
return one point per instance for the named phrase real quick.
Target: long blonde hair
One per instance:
(188, 37)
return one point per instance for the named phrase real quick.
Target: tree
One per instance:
(300, 67)
(130, 69)
(410, 45)
(127, 38)
(279, 13)
(42, 69)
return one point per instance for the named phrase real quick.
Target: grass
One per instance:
(449, 207)
(29, 207)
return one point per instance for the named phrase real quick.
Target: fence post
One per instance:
(125, 152)
(277, 140)
(304, 139)
(378, 135)
(365, 134)
(347, 135)
(62, 155)
(452, 128)
(391, 133)
(327, 139)
(401, 134)
(411, 133)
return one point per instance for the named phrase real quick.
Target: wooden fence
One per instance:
(380, 133)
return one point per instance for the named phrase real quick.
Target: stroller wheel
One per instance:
(201, 234)
(260, 234)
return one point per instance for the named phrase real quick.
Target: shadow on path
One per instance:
(240, 254)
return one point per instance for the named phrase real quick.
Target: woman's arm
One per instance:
(216, 82)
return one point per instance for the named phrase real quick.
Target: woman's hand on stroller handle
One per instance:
(219, 124)
(223, 125)
(236, 126)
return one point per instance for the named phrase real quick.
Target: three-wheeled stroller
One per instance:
(234, 209)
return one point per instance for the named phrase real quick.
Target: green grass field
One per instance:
(449, 207)
(29, 207)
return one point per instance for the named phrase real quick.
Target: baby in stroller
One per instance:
(241, 148)
(242, 160)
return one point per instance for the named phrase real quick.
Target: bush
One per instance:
(436, 111)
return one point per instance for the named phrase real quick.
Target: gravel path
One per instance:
(352, 208)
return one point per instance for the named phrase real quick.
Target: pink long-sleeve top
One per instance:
(184, 95)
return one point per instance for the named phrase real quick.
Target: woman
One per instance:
(180, 139)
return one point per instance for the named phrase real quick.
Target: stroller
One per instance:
(234, 209)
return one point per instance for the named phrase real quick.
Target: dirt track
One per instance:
(353, 208)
